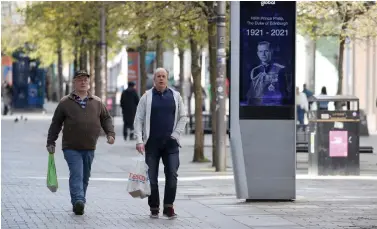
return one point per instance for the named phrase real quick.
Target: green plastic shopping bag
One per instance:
(52, 179)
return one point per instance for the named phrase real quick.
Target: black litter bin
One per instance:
(334, 136)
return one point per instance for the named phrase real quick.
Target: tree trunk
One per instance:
(159, 53)
(60, 69)
(106, 72)
(75, 60)
(342, 43)
(182, 83)
(196, 73)
(181, 71)
(83, 55)
(97, 71)
(91, 68)
(189, 97)
(212, 44)
(103, 15)
(50, 84)
(143, 67)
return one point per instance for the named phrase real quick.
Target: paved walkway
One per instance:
(205, 199)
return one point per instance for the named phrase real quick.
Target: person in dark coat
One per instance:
(7, 95)
(129, 101)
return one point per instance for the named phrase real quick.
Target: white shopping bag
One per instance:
(138, 181)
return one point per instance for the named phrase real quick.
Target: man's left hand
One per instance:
(174, 139)
(110, 140)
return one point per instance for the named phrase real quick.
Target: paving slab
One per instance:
(205, 199)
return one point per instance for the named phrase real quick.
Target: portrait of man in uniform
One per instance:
(268, 84)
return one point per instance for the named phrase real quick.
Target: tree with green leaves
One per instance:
(341, 19)
(58, 34)
(209, 12)
(47, 23)
(73, 35)
(165, 21)
(198, 38)
(147, 27)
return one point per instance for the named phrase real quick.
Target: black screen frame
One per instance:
(285, 112)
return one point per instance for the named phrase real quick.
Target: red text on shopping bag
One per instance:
(137, 177)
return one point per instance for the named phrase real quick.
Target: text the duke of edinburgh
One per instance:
(271, 21)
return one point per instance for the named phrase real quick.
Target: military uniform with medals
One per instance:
(267, 84)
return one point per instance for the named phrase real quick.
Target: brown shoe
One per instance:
(154, 214)
(169, 212)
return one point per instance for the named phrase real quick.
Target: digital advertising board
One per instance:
(267, 59)
(262, 99)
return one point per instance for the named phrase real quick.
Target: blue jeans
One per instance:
(300, 115)
(79, 164)
(169, 152)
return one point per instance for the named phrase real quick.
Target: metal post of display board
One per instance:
(262, 97)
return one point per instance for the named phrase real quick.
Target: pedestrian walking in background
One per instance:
(128, 103)
(83, 115)
(323, 105)
(7, 94)
(159, 122)
(309, 94)
(302, 106)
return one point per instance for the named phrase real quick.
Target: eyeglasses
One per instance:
(82, 80)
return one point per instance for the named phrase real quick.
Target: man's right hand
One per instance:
(50, 149)
(140, 148)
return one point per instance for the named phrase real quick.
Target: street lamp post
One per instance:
(220, 89)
